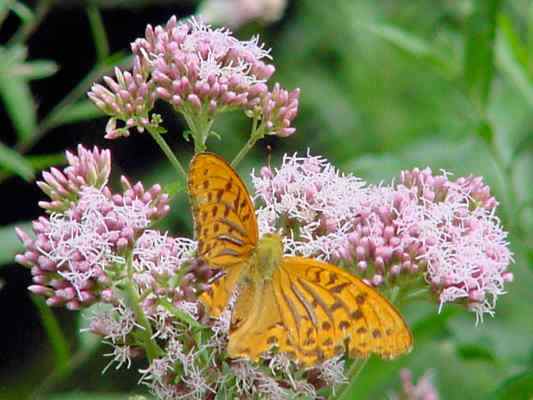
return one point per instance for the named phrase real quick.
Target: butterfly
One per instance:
(308, 309)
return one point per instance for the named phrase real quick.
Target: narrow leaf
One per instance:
(181, 315)
(14, 162)
(23, 12)
(412, 44)
(43, 161)
(479, 50)
(518, 48)
(33, 70)
(81, 111)
(99, 34)
(18, 101)
(55, 334)
(509, 63)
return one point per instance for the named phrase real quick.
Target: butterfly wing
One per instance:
(256, 324)
(224, 215)
(224, 224)
(330, 311)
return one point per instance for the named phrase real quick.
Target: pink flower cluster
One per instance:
(460, 240)
(199, 71)
(86, 168)
(424, 225)
(158, 259)
(75, 246)
(129, 98)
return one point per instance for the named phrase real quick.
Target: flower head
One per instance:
(86, 168)
(426, 228)
(458, 238)
(128, 98)
(310, 194)
(88, 231)
(200, 71)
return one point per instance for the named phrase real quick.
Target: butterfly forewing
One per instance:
(224, 216)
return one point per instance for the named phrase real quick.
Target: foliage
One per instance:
(385, 86)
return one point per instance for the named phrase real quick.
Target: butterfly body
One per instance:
(268, 254)
(308, 309)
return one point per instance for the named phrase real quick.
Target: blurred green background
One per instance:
(385, 85)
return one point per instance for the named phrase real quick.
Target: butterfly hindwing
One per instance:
(224, 216)
(256, 324)
(217, 297)
(347, 313)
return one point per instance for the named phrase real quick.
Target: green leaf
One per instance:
(33, 70)
(509, 62)
(23, 12)
(412, 44)
(16, 95)
(377, 372)
(485, 131)
(39, 162)
(183, 316)
(99, 34)
(474, 351)
(81, 111)
(518, 48)
(14, 162)
(479, 50)
(43, 161)
(174, 188)
(518, 387)
(10, 245)
(55, 334)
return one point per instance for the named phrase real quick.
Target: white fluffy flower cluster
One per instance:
(423, 225)
(308, 191)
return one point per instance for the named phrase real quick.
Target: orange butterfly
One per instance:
(308, 309)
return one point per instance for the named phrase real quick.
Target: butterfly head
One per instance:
(269, 252)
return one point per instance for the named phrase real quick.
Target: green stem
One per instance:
(257, 133)
(169, 153)
(199, 124)
(151, 347)
(354, 371)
